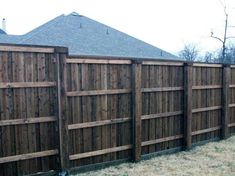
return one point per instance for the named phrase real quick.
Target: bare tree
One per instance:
(189, 53)
(224, 39)
(209, 57)
(230, 54)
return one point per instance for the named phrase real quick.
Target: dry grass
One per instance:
(216, 158)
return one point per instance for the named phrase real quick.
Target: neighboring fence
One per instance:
(59, 112)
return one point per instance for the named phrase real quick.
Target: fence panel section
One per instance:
(27, 110)
(207, 101)
(98, 110)
(162, 106)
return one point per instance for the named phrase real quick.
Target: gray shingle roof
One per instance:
(2, 31)
(84, 36)
(15, 39)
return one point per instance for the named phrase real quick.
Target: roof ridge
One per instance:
(40, 28)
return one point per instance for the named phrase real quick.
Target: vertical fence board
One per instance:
(232, 100)
(104, 109)
(188, 105)
(225, 100)
(62, 104)
(137, 110)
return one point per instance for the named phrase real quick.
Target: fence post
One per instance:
(137, 108)
(61, 55)
(225, 100)
(188, 76)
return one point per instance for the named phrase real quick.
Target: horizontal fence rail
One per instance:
(98, 92)
(28, 156)
(27, 85)
(98, 123)
(99, 152)
(27, 49)
(27, 121)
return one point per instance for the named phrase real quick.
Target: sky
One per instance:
(167, 24)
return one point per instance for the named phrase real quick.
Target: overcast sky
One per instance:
(167, 24)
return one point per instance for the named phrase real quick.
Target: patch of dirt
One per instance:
(212, 159)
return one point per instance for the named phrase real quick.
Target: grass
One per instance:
(212, 159)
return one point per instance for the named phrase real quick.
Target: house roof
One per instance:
(84, 36)
(15, 39)
(2, 31)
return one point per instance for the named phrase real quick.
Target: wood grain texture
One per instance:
(162, 89)
(27, 118)
(62, 111)
(58, 112)
(26, 49)
(188, 73)
(162, 63)
(98, 92)
(28, 156)
(97, 61)
(161, 140)
(99, 152)
(137, 111)
(225, 100)
(27, 121)
(207, 65)
(26, 85)
(160, 115)
(98, 123)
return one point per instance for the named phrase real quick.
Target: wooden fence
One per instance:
(59, 112)
(28, 110)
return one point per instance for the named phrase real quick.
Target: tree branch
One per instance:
(217, 38)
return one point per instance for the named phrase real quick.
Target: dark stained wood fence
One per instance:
(232, 101)
(28, 110)
(99, 110)
(59, 112)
